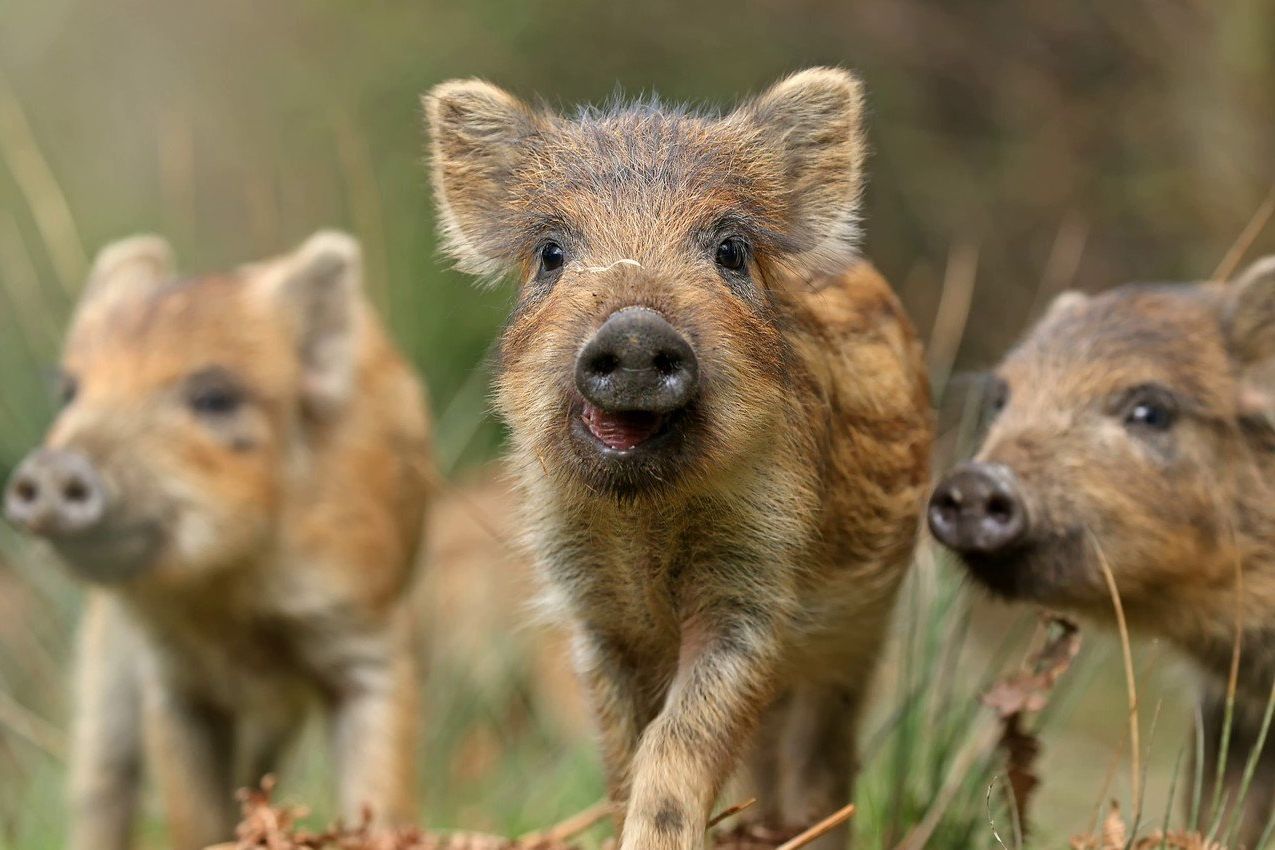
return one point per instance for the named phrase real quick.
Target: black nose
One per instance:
(55, 493)
(637, 361)
(978, 509)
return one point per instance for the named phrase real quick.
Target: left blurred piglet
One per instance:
(239, 472)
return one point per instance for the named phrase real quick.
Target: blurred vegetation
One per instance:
(1038, 145)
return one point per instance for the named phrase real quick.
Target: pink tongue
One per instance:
(621, 431)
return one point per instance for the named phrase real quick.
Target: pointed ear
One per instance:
(1249, 324)
(129, 268)
(812, 122)
(1250, 320)
(477, 133)
(320, 289)
(1064, 302)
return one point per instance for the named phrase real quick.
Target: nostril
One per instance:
(1000, 509)
(603, 364)
(667, 364)
(75, 491)
(26, 490)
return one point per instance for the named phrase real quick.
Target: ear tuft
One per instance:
(320, 286)
(1248, 320)
(476, 132)
(1263, 269)
(813, 121)
(1250, 317)
(1064, 302)
(331, 255)
(135, 264)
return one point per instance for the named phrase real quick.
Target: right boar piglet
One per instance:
(1135, 430)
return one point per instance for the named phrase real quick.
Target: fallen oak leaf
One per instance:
(265, 826)
(1029, 689)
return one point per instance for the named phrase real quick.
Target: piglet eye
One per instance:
(1151, 408)
(997, 395)
(1150, 415)
(551, 256)
(68, 388)
(215, 401)
(732, 254)
(213, 393)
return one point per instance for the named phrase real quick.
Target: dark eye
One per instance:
(215, 401)
(732, 254)
(1151, 408)
(68, 387)
(551, 257)
(213, 393)
(997, 395)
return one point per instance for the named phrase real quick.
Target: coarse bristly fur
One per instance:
(728, 594)
(257, 551)
(1179, 511)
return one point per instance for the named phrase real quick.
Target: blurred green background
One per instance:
(1024, 145)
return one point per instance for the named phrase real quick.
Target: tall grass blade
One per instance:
(1250, 767)
(49, 208)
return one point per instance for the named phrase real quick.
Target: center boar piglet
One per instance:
(720, 426)
(1136, 429)
(239, 473)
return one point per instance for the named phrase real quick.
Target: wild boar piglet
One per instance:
(1136, 429)
(720, 425)
(239, 473)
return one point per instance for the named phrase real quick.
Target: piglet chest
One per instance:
(627, 571)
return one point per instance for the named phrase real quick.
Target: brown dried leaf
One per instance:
(1115, 836)
(1029, 690)
(1114, 831)
(268, 827)
(1021, 751)
(1176, 840)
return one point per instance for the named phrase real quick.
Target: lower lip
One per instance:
(113, 554)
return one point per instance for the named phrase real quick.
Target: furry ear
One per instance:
(319, 287)
(1064, 302)
(1249, 323)
(1251, 314)
(129, 267)
(813, 122)
(476, 133)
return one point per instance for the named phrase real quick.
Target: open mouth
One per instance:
(628, 451)
(624, 430)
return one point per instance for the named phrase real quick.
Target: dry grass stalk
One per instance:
(1063, 261)
(1135, 747)
(26, 724)
(731, 811)
(953, 313)
(1247, 237)
(756, 837)
(575, 825)
(824, 826)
